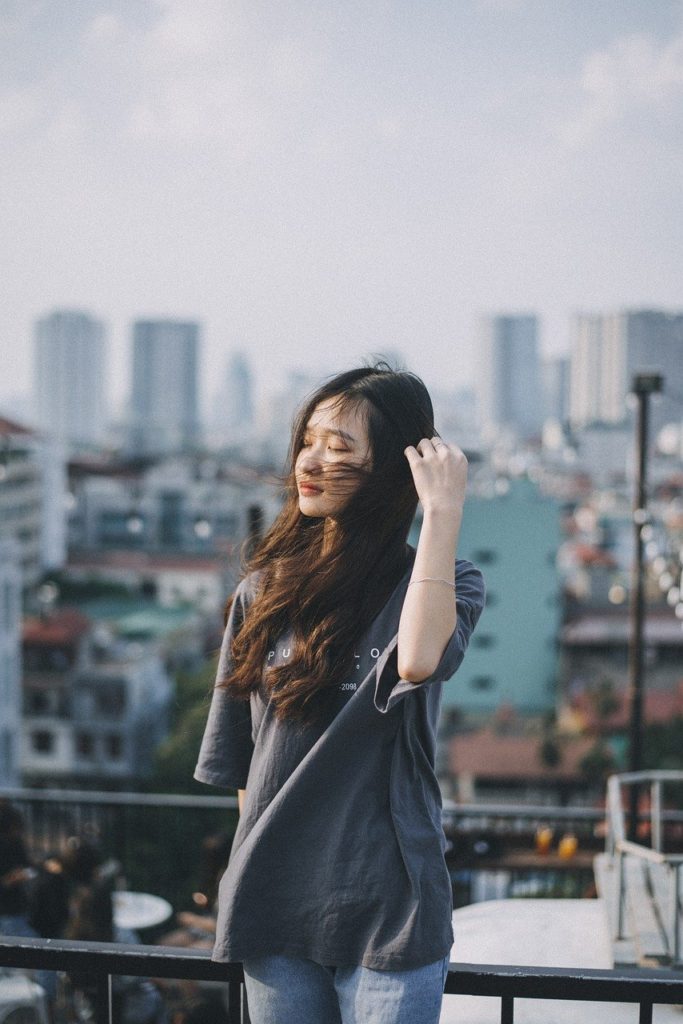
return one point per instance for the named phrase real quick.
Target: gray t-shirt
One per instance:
(338, 856)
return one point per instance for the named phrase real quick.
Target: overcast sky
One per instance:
(315, 180)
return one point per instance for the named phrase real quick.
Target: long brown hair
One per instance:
(330, 598)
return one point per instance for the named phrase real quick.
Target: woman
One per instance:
(336, 897)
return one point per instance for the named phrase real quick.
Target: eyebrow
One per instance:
(332, 430)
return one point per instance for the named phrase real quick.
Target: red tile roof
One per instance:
(61, 626)
(659, 706)
(488, 755)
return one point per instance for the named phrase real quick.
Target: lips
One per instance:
(306, 488)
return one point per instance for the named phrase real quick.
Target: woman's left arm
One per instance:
(428, 617)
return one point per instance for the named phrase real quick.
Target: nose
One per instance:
(309, 461)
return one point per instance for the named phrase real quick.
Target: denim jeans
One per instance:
(285, 990)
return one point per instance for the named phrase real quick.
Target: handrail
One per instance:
(102, 960)
(645, 853)
(618, 845)
(199, 800)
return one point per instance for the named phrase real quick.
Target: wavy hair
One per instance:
(329, 597)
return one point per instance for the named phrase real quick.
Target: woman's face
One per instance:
(335, 437)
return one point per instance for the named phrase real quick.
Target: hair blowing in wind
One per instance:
(329, 588)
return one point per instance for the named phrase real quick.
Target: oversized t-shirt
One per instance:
(338, 856)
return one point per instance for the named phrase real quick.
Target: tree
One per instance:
(597, 764)
(176, 756)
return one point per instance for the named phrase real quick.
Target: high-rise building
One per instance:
(233, 407)
(608, 349)
(509, 378)
(69, 376)
(164, 397)
(555, 381)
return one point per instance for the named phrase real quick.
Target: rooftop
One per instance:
(660, 627)
(60, 626)
(123, 559)
(489, 754)
(12, 428)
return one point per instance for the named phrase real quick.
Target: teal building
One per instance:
(512, 659)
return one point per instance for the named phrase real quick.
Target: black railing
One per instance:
(102, 961)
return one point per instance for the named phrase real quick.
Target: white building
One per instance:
(180, 505)
(608, 349)
(69, 375)
(22, 497)
(95, 707)
(10, 660)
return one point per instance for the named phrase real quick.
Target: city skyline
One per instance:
(315, 184)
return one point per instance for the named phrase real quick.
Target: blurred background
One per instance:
(208, 206)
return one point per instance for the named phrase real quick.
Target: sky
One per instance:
(316, 181)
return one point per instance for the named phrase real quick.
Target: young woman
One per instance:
(336, 898)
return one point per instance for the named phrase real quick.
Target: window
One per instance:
(7, 608)
(85, 745)
(482, 682)
(111, 701)
(38, 702)
(484, 556)
(114, 746)
(42, 741)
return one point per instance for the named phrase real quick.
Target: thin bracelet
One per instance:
(432, 579)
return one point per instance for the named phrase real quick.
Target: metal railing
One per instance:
(102, 961)
(620, 847)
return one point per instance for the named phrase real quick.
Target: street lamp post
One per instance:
(644, 384)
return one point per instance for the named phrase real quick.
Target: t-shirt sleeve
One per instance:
(226, 748)
(470, 597)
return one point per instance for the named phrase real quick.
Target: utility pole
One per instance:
(644, 384)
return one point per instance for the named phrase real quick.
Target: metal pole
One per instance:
(656, 815)
(677, 915)
(644, 384)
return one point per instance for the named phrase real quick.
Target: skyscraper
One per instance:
(164, 396)
(555, 381)
(509, 379)
(69, 376)
(233, 405)
(608, 349)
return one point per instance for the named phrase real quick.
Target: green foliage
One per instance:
(597, 764)
(550, 752)
(162, 846)
(176, 757)
(550, 747)
(71, 590)
(663, 744)
(604, 698)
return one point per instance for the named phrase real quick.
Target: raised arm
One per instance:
(428, 616)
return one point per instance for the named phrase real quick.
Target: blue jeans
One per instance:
(285, 990)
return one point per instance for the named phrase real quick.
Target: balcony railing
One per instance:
(102, 961)
(663, 869)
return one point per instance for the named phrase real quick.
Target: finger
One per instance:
(412, 455)
(425, 447)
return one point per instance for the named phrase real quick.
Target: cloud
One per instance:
(635, 74)
(20, 108)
